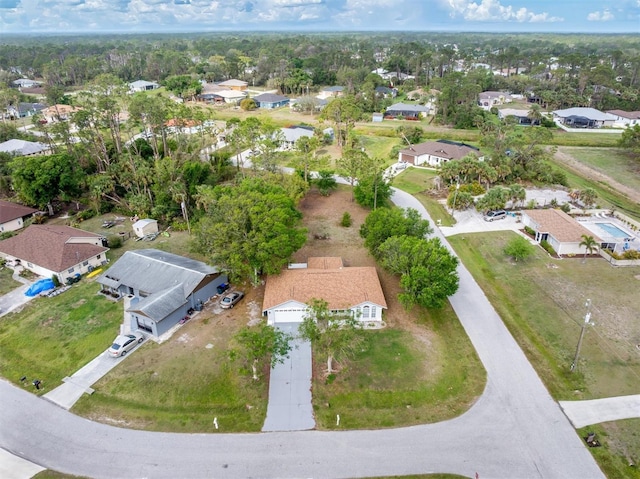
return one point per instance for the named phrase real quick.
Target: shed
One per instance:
(145, 227)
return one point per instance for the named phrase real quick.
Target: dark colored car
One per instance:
(231, 299)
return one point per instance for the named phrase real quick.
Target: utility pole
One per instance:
(455, 196)
(586, 323)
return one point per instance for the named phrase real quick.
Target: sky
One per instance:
(142, 16)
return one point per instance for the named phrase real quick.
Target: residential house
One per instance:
(292, 134)
(354, 290)
(24, 148)
(582, 117)
(145, 227)
(233, 84)
(270, 101)
(23, 110)
(625, 119)
(307, 104)
(13, 215)
(521, 116)
(159, 287)
(26, 83)
(209, 93)
(56, 113)
(142, 85)
(436, 153)
(331, 92)
(386, 92)
(406, 111)
(560, 230)
(232, 96)
(55, 250)
(489, 99)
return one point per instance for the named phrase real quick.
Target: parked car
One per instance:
(231, 299)
(495, 215)
(124, 343)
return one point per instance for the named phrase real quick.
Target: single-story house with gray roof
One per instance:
(270, 101)
(24, 148)
(143, 85)
(582, 117)
(160, 287)
(409, 112)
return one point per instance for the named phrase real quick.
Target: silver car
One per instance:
(230, 300)
(124, 343)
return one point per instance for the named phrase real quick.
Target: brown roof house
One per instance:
(435, 153)
(234, 84)
(12, 216)
(560, 230)
(355, 289)
(50, 250)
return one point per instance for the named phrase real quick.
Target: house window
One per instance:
(85, 263)
(29, 265)
(365, 312)
(143, 294)
(70, 270)
(373, 312)
(98, 257)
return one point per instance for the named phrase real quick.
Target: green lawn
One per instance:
(7, 283)
(541, 300)
(417, 181)
(391, 382)
(54, 337)
(613, 162)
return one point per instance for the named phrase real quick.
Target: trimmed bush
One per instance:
(548, 248)
(346, 220)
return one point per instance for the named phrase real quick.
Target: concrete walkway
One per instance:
(15, 299)
(595, 411)
(289, 407)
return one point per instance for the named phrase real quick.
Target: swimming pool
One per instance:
(613, 230)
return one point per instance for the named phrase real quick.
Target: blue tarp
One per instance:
(39, 287)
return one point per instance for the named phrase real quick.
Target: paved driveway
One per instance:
(289, 407)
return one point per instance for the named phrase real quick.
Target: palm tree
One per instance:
(535, 114)
(590, 245)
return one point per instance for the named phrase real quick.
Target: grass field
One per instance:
(613, 162)
(54, 337)
(542, 303)
(7, 283)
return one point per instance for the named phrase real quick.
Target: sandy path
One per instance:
(593, 174)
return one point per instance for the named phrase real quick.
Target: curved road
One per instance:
(515, 430)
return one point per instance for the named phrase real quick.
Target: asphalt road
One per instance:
(515, 430)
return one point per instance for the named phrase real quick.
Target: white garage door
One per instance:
(288, 315)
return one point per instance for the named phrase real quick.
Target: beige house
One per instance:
(233, 84)
(58, 113)
(345, 289)
(436, 153)
(13, 215)
(560, 230)
(54, 250)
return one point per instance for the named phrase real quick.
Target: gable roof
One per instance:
(406, 107)
(333, 89)
(269, 98)
(152, 270)
(231, 94)
(505, 112)
(325, 278)
(11, 211)
(442, 149)
(233, 82)
(488, 95)
(142, 84)
(23, 147)
(590, 113)
(293, 134)
(53, 247)
(631, 115)
(559, 225)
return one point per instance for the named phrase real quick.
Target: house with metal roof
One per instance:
(24, 148)
(13, 216)
(55, 250)
(159, 287)
(351, 289)
(270, 100)
(232, 96)
(436, 153)
(234, 84)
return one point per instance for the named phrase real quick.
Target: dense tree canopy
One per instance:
(384, 223)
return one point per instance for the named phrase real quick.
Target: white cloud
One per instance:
(493, 10)
(603, 16)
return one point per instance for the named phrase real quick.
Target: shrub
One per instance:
(531, 204)
(56, 281)
(6, 235)
(631, 254)
(85, 214)
(115, 242)
(529, 230)
(548, 248)
(178, 224)
(38, 219)
(346, 220)
(566, 207)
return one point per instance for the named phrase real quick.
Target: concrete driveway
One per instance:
(289, 407)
